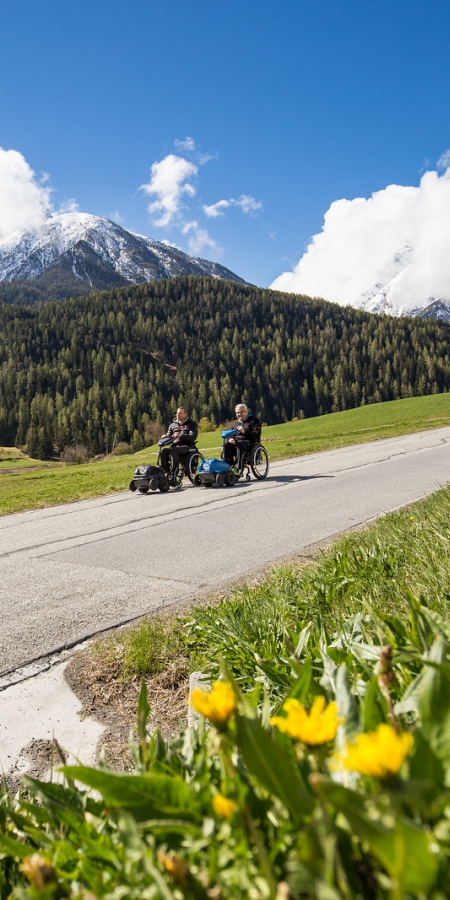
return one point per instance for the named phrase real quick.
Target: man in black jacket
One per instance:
(249, 433)
(184, 432)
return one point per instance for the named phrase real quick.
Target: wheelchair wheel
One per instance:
(259, 462)
(192, 464)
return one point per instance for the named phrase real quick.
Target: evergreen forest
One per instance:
(98, 369)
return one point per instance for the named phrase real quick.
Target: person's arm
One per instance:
(190, 431)
(252, 429)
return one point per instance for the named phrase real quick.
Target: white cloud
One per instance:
(216, 208)
(24, 201)
(71, 206)
(398, 237)
(169, 183)
(186, 145)
(207, 157)
(199, 238)
(170, 244)
(248, 205)
(444, 160)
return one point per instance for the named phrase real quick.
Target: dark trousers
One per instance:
(171, 455)
(232, 453)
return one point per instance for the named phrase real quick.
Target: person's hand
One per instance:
(231, 441)
(241, 429)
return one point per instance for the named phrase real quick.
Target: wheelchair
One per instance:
(254, 460)
(187, 464)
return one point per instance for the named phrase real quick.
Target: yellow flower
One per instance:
(216, 704)
(175, 866)
(378, 753)
(223, 807)
(38, 870)
(317, 727)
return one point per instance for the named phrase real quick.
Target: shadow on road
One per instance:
(286, 478)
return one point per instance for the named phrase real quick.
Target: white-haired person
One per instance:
(248, 433)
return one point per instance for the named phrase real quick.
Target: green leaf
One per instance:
(271, 766)
(374, 707)
(347, 705)
(403, 850)
(434, 702)
(14, 849)
(143, 712)
(144, 796)
(425, 766)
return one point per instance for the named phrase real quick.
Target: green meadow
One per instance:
(40, 487)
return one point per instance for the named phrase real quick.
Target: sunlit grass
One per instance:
(372, 570)
(33, 489)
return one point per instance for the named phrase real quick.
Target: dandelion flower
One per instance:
(378, 753)
(223, 807)
(38, 870)
(316, 727)
(216, 704)
(175, 866)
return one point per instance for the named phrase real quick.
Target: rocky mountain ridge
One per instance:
(74, 253)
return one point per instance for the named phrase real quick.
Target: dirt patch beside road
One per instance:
(113, 702)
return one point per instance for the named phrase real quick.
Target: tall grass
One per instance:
(375, 570)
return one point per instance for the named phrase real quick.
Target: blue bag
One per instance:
(213, 465)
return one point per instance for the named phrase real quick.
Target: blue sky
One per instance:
(289, 105)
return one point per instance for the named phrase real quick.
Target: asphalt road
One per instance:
(70, 571)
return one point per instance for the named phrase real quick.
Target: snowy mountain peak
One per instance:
(85, 251)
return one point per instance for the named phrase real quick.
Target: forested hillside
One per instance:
(97, 369)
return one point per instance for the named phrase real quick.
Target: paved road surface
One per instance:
(70, 571)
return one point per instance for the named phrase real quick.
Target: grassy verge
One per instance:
(252, 807)
(46, 487)
(404, 553)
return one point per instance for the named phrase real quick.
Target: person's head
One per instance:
(241, 411)
(181, 414)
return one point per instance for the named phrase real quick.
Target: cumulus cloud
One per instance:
(172, 187)
(392, 245)
(199, 238)
(24, 201)
(248, 205)
(169, 183)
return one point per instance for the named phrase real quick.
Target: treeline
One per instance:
(98, 369)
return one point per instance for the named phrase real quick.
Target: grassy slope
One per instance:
(46, 487)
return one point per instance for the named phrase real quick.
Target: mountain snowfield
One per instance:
(79, 247)
(393, 290)
(387, 253)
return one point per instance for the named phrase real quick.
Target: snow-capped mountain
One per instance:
(81, 252)
(410, 280)
(390, 296)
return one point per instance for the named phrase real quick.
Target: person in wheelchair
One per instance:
(248, 433)
(184, 432)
